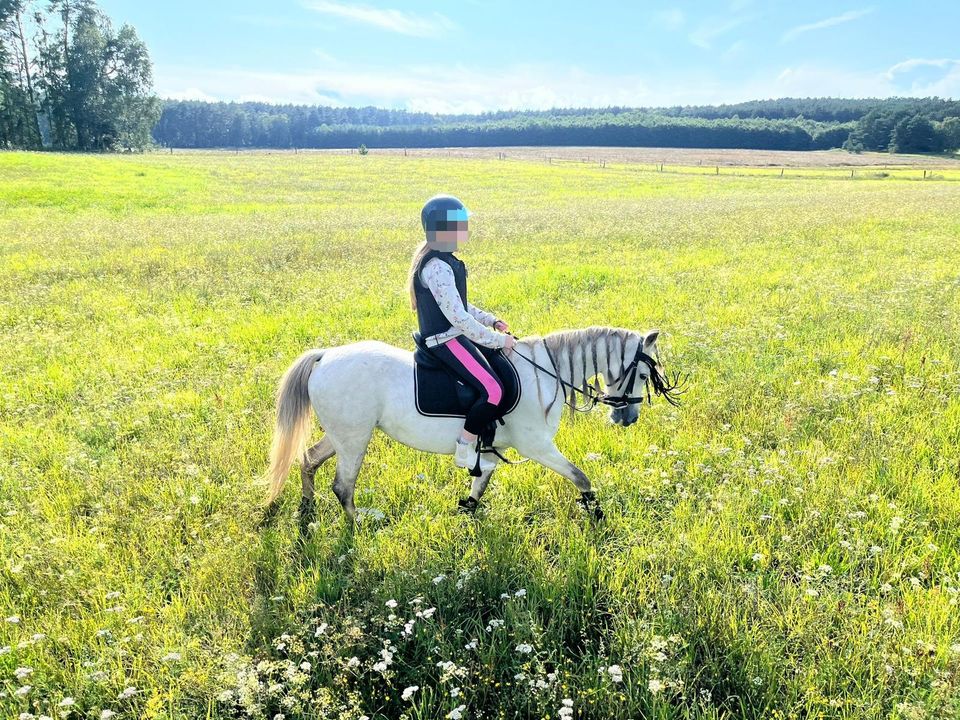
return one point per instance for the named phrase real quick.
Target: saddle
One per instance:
(440, 393)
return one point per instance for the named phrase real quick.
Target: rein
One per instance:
(662, 386)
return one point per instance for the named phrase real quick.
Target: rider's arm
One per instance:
(481, 316)
(438, 277)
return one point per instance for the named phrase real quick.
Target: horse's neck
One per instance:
(585, 358)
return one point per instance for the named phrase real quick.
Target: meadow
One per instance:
(784, 545)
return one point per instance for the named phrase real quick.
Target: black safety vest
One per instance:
(429, 316)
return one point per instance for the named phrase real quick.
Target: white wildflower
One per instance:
(408, 692)
(439, 579)
(456, 713)
(525, 648)
(427, 614)
(23, 691)
(22, 673)
(391, 603)
(128, 692)
(13, 619)
(520, 593)
(171, 657)
(67, 702)
(321, 629)
(654, 686)
(353, 662)
(455, 692)
(616, 674)
(106, 714)
(757, 557)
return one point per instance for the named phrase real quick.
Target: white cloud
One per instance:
(462, 89)
(671, 18)
(440, 89)
(914, 63)
(396, 21)
(821, 81)
(190, 93)
(734, 51)
(849, 16)
(707, 32)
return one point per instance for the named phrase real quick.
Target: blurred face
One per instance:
(449, 235)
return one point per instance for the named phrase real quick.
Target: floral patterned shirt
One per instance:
(473, 322)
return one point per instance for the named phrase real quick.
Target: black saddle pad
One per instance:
(440, 393)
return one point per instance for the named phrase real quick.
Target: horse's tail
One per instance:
(293, 422)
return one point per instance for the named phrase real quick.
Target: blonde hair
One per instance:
(422, 250)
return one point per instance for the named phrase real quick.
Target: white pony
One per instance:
(356, 388)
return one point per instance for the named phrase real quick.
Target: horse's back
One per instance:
(359, 374)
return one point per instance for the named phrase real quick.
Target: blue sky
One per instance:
(478, 55)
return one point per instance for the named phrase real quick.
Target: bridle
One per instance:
(662, 386)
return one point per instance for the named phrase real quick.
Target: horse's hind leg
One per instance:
(312, 460)
(350, 450)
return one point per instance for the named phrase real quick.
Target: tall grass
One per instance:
(782, 546)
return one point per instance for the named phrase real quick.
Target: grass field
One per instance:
(785, 545)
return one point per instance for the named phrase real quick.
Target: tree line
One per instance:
(70, 81)
(904, 125)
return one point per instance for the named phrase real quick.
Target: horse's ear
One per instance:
(650, 340)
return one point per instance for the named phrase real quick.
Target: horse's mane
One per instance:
(568, 348)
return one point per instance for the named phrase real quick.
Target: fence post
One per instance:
(924, 174)
(851, 173)
(781, 172)
(718, 170)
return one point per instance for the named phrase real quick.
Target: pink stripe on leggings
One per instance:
(490, 384)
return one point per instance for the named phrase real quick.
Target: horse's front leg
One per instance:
(469, 504)
(550, 457)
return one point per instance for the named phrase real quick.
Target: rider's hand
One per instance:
(501, 326)
(508, 345)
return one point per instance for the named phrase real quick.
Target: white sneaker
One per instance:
(466, 457)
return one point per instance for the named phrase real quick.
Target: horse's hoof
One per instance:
(468, 506)
(588, 503)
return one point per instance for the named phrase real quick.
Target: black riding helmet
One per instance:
(441, 211)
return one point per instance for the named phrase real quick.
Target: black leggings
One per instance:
(477, 366)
